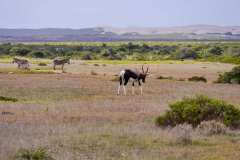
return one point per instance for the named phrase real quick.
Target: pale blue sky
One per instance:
(118, 13)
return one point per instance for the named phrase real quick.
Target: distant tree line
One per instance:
(225, 52)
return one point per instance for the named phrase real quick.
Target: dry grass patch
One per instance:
(79, 116)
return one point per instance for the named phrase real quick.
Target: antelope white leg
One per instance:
(119, 87)
(133, 92)
(124, 89)
(141, 90)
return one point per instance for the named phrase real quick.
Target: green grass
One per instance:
(21, 71)
(7, 59)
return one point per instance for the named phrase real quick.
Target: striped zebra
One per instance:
(22, 63)
(60, 61)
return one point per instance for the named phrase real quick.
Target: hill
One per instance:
(194, 32)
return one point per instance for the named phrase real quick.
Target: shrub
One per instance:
(33, 154)
(198, 79)
(216, 50)
(162, 77)
(87, 56)
(115, 78)
(186, 53)
(211, 128)
(230, 77)
(200, 108)
(96, 65)
(8, 99)
(37, 54)
(182, 134)
(93, 73)
(20, 51)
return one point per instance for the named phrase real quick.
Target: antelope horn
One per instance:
(147, 69)
(142, 69)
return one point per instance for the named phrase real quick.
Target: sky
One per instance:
(117, 13)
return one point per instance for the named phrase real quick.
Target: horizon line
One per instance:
(106, 26)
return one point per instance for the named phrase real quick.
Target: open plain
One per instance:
(77, 114)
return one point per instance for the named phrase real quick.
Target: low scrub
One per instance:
(200, 108)
(230, 77)
(211, 128)
(8, 99)
(93, 73)
(115, 79)
(198, 79)
(162, 77)
(33, 154)
(42, 64)
(182, 134)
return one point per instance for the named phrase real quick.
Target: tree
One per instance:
(187, 53)
(37, 54)
(20, 51)
(216, 50)
(5, 48)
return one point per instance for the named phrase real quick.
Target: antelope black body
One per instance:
(136, 76)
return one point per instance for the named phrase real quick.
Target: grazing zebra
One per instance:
(60, 61)
(137, 76)
(22, 63)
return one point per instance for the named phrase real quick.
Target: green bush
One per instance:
(42, 64)
(8, 99)
(19, 51)
(230, 77)
(186, 53)
(200, 108)
(33, 154)
(87, 56)
(198, 79)
(37, 54)
(216, 50)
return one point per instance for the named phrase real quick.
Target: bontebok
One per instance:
(135, 75)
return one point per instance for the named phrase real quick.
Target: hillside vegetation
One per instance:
(227, 52)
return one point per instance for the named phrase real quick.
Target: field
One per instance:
(78, 115)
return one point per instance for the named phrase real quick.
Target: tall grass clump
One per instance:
(8, 99)
(182, 134)
(230, 77)
(212, 127)
(198, 79)
(200, 108)
(33, 154)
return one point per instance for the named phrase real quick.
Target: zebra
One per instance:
(137, 76)
(22, 63)
(60, 61)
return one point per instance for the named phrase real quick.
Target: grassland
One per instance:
(77, 115)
